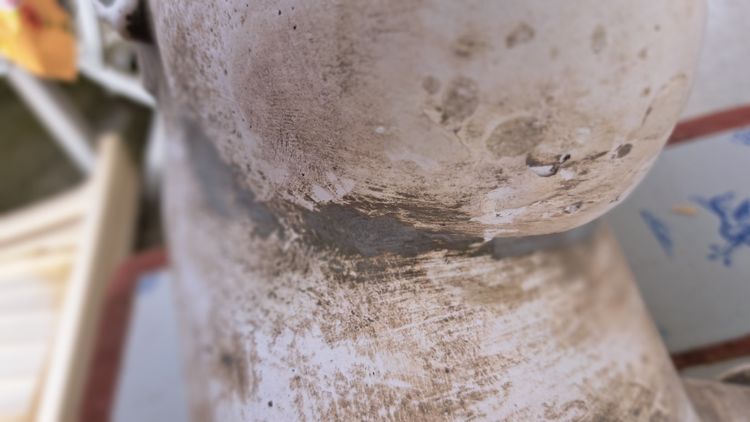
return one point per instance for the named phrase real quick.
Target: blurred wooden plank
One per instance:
(16, 397)
(29, 295)
(62, 210)
(22, 360)
(105, 242)
(50, 266)
(27, 326)
(64, 237)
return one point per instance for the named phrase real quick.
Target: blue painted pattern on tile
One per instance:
(147, 283)
(742, 137)
(660, 231)
(734, 227)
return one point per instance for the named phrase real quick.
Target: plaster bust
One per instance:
(475, 118)
(363, 199)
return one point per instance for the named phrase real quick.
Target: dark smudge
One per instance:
(223, 193)
(352, 232)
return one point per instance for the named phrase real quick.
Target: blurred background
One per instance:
(87, 324)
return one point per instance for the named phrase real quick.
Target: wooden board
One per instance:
(55, 261)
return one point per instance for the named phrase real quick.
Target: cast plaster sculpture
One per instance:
(380, 209)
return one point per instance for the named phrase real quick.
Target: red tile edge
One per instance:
(713, 353)
(104, 368)
(709, 124)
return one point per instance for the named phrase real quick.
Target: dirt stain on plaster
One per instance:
(468, 46)
(234, 369)
(598, 39)
(232, 360)
(352, 232)
(517, 136)
(431, 85)
(623, 150)
(521, 34)
(460, 101)
(220, 184)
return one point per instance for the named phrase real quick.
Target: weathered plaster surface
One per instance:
(424, 109)
(719, 402)
(283, 328)
(338, 172)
